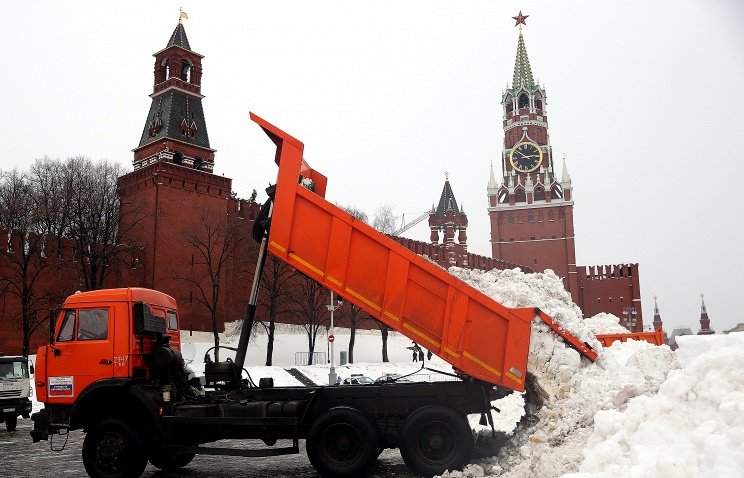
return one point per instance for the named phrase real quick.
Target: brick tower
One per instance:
(530, 207)
(174, 186)
(449, 219)
(704, 320)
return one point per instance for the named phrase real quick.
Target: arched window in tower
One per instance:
(186, 70)
(178, 158)
(550, 216)
(519, 195)
(510, 220)
(538, 103)
(167, 68)
(539, 194)
(557, 192)
(198, 163)
(524, 101)
(162, 71)
(508, 105)
(530, 218)
(503, 196)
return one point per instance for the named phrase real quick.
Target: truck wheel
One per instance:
(435, 439)
(342, 442)
(113, 450)
(170, 460)
(10, 423)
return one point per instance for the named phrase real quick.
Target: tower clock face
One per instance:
(526, 156)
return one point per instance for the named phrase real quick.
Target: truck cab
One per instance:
(15, 390)
(102, 340)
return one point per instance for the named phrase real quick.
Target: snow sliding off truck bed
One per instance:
(477, 335)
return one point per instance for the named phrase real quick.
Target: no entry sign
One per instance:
(331, 338)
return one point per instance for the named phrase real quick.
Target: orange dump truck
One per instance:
(114, 369)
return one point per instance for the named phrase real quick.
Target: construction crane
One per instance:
(404, 227)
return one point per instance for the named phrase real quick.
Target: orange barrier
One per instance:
(656, 337)
(463, 326)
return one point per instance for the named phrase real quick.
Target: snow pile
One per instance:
(604, 323)
(693, 427)
(575, 389)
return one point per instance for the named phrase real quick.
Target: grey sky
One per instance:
(643, 98)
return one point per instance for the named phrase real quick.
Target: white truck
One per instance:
(15, 390)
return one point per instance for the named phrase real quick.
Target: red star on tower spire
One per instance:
(520, 19)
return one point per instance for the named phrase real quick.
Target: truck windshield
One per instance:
(13, 370)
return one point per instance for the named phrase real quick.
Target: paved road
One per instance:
(21, 458)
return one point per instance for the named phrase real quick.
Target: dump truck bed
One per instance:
(406, 292)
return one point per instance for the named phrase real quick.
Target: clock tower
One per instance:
(530, 206)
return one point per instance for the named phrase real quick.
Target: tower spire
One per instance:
(657, 316)
(522, 70)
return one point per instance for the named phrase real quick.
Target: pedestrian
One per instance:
(421, 355)
(415, 355)
(428, 354)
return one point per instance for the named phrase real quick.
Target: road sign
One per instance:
(331, 338)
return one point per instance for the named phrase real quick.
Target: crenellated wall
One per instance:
(611, 288)
(438, 253)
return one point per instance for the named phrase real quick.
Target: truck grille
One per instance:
(10, 393)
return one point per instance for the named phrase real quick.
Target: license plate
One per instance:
(5, 410)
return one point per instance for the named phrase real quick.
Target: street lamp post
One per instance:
(630, 317)
(332, 373)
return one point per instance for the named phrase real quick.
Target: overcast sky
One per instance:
(644, 99)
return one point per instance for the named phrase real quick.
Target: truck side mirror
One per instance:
(31, 369)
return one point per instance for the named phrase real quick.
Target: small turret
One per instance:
(704, 320)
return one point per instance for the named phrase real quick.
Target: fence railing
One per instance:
(303, 358)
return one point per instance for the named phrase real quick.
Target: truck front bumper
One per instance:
(20, 406)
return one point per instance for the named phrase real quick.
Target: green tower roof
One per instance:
(522, 71)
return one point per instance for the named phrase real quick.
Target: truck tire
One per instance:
(170, 460)
(342, 443)
(435, 439)
(11, 422)
(113, 449)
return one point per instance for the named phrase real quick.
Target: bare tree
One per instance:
(25, 265)
(384, 329)
(275, 298)
(96, 212)
(309, 300)
(354, 312)
(385, 219)
(215, 243)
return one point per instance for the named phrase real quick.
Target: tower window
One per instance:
(532, 238)
(198, 163)
(539, 193)
(520, 196)
(538, 104)
(186, 71)
(524, 101)
(511, 239)
(178, 158)
(503, 197)
(510, 219)
(535, 261)
(530, 218)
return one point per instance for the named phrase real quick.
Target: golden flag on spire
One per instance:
(182, 15)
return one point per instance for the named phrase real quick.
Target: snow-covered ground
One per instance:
(640, 410)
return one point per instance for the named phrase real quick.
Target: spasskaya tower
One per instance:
(530, 207)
